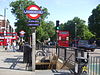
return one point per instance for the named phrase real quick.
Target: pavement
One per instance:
(12, 63)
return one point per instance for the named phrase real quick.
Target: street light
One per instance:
(5, 24)
(75, 34)
(5, 17)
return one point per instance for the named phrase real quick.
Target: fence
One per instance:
(67, 55)
(94, 65)
(64, 54)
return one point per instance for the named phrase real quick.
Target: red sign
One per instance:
(22, 32)
(36, 9)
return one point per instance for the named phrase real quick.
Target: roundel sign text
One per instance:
(22, 32)
(33, 12)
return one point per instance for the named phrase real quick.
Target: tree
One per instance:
(17, 9)
(94, 21)
(45, 31)
(78, 27)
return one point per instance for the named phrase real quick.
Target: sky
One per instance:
(62, 10)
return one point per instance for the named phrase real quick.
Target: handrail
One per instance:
(67, 60)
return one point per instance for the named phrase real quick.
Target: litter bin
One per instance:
(27, 57)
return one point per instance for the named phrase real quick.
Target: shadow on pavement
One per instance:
(60, 73)
(14, 62)
(11, 60)
(12, 69)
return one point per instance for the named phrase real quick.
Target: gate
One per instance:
(67, 55)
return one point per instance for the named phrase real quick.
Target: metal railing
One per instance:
(94, 65)
(67, 55)
(64, 53)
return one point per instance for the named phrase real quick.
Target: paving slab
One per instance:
(11, 63)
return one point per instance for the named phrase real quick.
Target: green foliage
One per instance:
(43, 16)
(94, 21)
(17, 10)
(78, 27)
(45, 31)
(19, 6)
(87, 33)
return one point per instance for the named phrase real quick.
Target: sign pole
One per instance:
(30, 40)
(33, 12)
(33, 48)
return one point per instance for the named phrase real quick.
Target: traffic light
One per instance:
(57, 25)
(57, 28)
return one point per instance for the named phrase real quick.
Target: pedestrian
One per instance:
(17, 45)
(8, 45)
(14, 46)
(94, 43)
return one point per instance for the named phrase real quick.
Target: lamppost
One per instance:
(5, 17)
(4, 25)
(75, 34)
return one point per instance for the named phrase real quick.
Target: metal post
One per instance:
(76, 64)
(57, 43)
(96, 66)
(4, 22)
(88, 62)
(56, 40)
(58, 51)
(57, 30)
(4, 18)
(82, 52)
(33, 49)
(75, 35)
(30, 40)
(76, 54)
(93, 64)
(65, 54)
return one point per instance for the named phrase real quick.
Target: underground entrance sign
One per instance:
(33, 23)
(33, 12)
(22, 32)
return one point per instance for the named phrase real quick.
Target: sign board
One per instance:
(33, 12)
(22, 32)
(21, 35)
(33, 23)
(7, 37)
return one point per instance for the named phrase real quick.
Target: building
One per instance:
(5, 25)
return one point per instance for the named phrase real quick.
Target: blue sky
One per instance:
(62, 10)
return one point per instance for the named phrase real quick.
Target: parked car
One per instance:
(52, 43)
(85, 45)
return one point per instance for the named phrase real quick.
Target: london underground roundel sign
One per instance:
(33, 11)
(22, 32)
